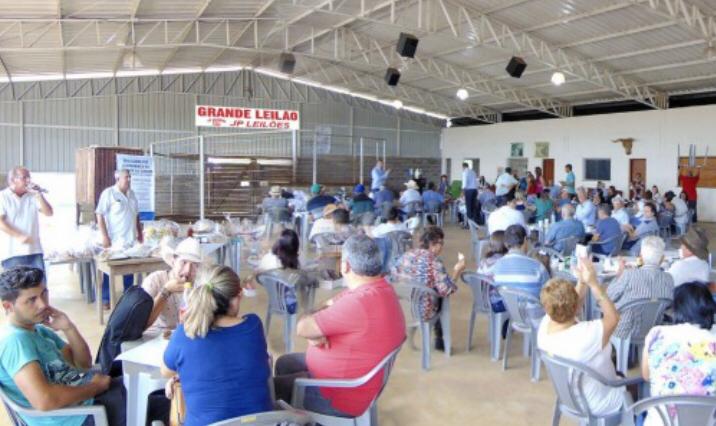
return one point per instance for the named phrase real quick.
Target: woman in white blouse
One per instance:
(586, 342)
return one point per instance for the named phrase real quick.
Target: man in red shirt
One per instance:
(688, 179)
(347, 337)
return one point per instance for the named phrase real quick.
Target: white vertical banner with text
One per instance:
(142, 170)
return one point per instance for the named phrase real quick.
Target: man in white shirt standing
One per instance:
(693, 263)
(505, 216)
(469, 190)
(20, 236)
(503, 185)
(118, 221)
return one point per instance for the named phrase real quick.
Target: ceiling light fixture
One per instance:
(462, 94)
(397, 104)
(131, 60)
(558, 78)
(710, 50)
(448, 123)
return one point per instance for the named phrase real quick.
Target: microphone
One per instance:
(38, 188)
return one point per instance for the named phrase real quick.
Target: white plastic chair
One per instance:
(647, 313)
(269, 418)
(686, 409)
(617, 239)
(480, 285)
(568, 379)
(277, 289)
(435, 211)
(479, 238)
(525, 314)
(97, 412)
(369, 417)
(413, 294)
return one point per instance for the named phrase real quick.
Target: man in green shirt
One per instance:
(38, 369)
(544, 206)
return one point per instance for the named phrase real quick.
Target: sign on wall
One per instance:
(141, 169)
(246, 118)
(542, 149)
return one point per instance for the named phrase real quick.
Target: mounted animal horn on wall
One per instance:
(627, 143)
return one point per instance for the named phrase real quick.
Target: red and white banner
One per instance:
(247, 118)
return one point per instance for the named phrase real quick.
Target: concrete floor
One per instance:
(466, 388)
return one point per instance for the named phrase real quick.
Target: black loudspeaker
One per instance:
(516, 67)
(407, 45)
(286, 63)
(392, 76)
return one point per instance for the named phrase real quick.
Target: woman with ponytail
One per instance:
(220, 357)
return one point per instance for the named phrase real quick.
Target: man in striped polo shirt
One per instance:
(516, 269)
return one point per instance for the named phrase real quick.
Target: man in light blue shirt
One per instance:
(378, 176)
(469, 189)
(586, 210)
(647, 226)
(565, 228)
(516, 269)
(569, 180)
(38, 369)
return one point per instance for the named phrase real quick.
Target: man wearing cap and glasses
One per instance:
(20, 236)
(360, 203)
(693, 258)
(167, 287)
(320, 199)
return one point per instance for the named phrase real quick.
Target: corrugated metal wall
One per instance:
(43, 134)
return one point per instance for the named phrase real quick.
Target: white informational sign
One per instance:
(142, 170)
(246, 118)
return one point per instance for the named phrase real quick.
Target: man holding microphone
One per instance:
(20, 236)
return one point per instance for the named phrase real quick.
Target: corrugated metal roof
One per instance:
(619, 37)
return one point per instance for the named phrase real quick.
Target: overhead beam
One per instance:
(686, 13)
(264, 7)
(492, 32)
(363, 50)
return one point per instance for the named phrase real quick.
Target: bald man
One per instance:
(20, 237)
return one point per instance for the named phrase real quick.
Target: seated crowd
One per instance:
(46, 364)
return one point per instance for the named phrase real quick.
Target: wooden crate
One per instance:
(94, 171)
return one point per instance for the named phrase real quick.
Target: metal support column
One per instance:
(201, 176)
(315, 160)
(360, 161)
(294, 154)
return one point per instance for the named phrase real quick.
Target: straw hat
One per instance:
(329, 209)
(696, 241)
(275, 190)
(411, 184)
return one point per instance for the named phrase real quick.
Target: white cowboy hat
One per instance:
(275, 190)
(411, 184)
(189, 250)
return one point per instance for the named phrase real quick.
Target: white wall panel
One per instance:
(657, 134)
